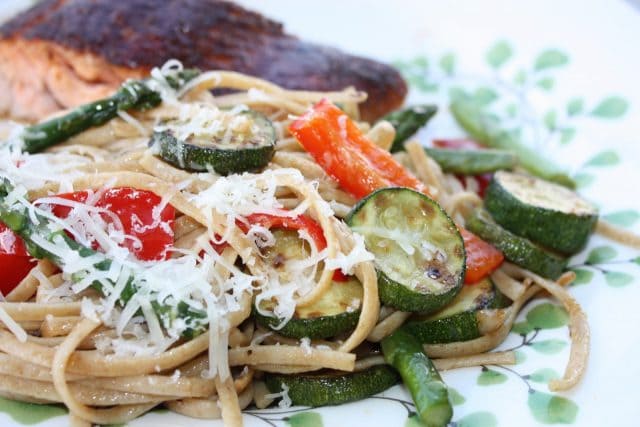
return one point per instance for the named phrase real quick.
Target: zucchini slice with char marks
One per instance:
(337, 311)
(333, 387)
(419, 253)
(546, 213)
(216, 140)
(516, 249)
(458, 321)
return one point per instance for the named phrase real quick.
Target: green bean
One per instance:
(407, 122)
(472, 162)
(484, 127)
(430, 394)
(132, 95)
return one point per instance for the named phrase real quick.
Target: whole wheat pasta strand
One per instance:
(85, 394)
(618, 234)
(388, 325)
(29, 285)
(579, 329)
(208, 408)
(496, 358)
(61, 357)
(24, 311)
(291, 355)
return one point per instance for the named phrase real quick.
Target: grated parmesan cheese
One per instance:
(285, 400)
(346, 263)
(305, 344)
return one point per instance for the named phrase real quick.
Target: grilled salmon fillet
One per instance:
(62, 53)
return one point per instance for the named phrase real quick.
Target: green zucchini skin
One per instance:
(564, 232)
(459, 327)
(403, 280)
(430, 394)
(399, 296)
(250, 155)
(516, 249)
(407, 122)
(457, 321)
(333, 388)
(314, 327)
(472, 162)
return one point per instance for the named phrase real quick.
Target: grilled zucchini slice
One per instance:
(419, 253)
(224, 142)
(337, 311)
(546, 213)
(516, 249)
(458, 321)
(333, 387)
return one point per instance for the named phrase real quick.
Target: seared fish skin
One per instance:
(61, 53)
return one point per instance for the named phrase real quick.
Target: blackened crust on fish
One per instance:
(208, 34)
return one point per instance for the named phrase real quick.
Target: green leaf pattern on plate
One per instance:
(601, 254)
(550, 409)
(455, 397)
(575, 106)
(547, 316)
(448, 63)
(625, 218)
(604, 158)
(551, 346)
(551, 58)
(611, 108)
(30, 413)
(583, 179)
(544, 375)
(305, 419)
(499, 54)
(567, 135)
(478, 419)
(491, 377)
(618, 278)
(583, 276)
(546, 83)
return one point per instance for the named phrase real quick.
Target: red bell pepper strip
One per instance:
(346, 154)
(458, 144)
(136, 210)
(482, 258)
(15, 261)
(361, 167)
(300, 222)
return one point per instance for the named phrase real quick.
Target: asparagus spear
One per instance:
(483, 127)
(27, 226)
(407, 122)
(429, 392)
(132, 95)
(472, 162)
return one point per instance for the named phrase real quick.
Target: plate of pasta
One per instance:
(206, 247)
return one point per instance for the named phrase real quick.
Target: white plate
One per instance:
(566, 73)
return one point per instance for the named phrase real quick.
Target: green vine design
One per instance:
(508, 92)
(602, 259)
